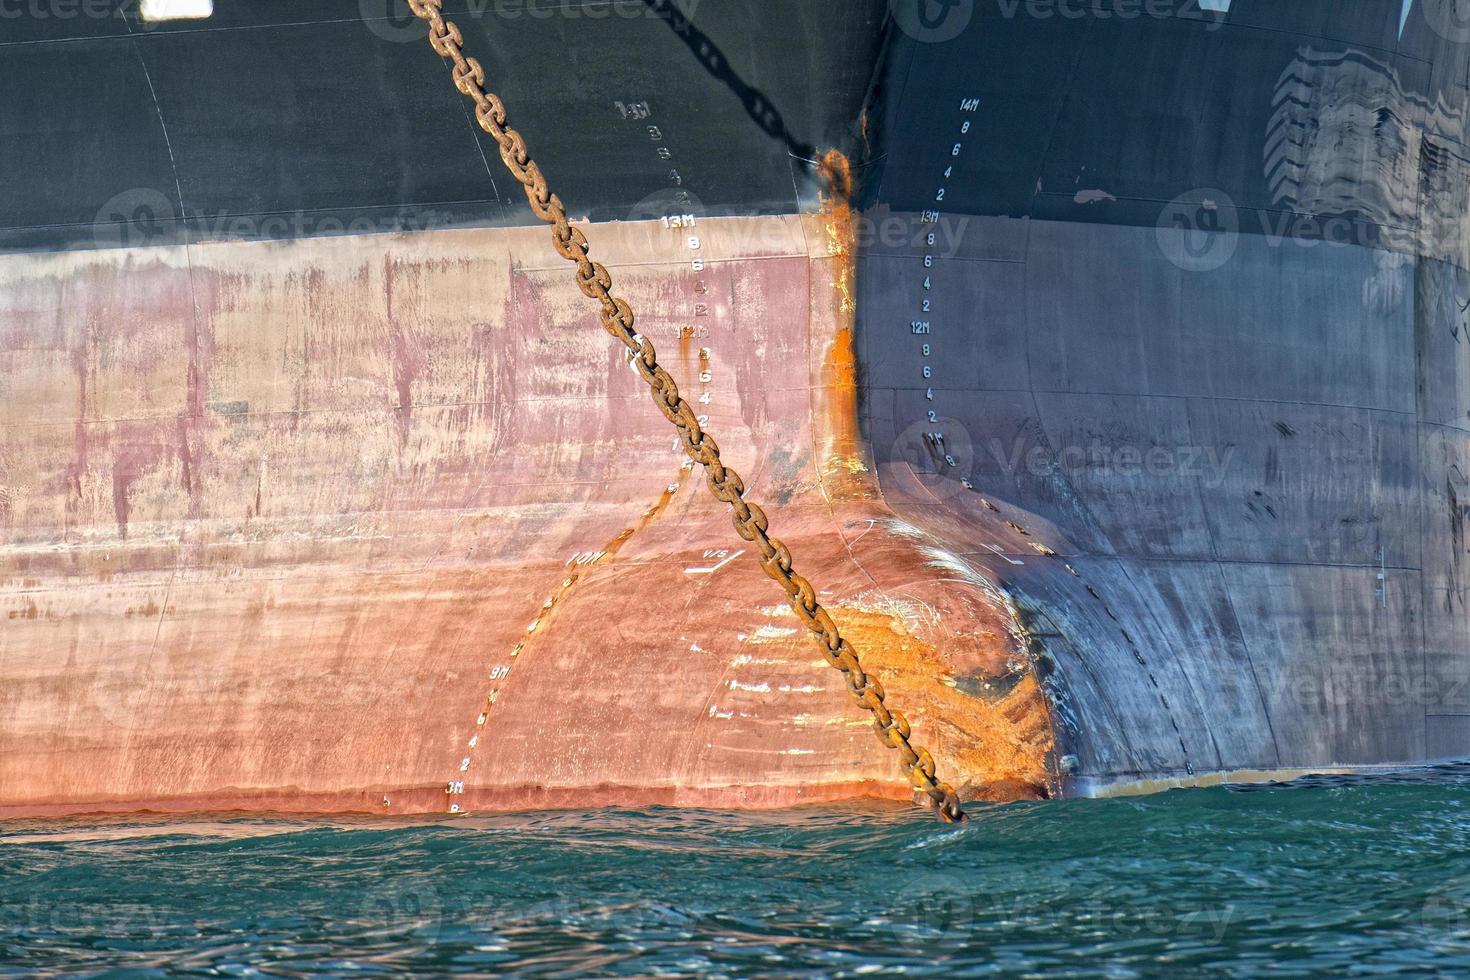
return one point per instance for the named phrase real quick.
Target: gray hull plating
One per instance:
(1194, 318)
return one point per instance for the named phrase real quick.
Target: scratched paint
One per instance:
(275, 515)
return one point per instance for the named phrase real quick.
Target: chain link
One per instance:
(617, 317)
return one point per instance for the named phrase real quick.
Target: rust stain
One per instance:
(988, 727)
(992, 734)
(845, 458)
(839, 223)
(136, 453)
(406, 355)
(82, 359)
(193, 421)
(150, 610)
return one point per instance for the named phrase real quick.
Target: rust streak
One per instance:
(845, 460)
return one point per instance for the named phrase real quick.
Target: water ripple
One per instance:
(1327, 875)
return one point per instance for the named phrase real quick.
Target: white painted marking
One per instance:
(996, 549)
(871, 525)
(155, 11)
(1219, 6)
(714, 568)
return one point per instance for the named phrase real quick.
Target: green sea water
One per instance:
(1328, 877)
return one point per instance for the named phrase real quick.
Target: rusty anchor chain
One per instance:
(618, 319)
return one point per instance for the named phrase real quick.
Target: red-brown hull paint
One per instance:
(277, 519)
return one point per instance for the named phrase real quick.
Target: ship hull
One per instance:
(1107, 380)
(388, 524)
